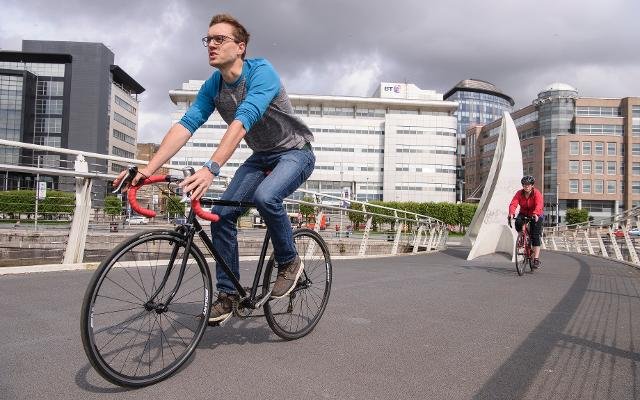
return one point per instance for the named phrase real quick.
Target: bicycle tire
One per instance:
(520, 254)
(134, 270)
(296, 315)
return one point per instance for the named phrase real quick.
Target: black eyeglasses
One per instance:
(217, 40)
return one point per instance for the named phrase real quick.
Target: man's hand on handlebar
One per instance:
(124, 175)
(197, 184)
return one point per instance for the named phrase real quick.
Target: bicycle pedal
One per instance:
(218, 323)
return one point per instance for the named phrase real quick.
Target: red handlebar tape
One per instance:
(195, 204)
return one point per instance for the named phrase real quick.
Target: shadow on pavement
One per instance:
(576, 344)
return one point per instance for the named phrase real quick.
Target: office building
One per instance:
(397, 145)
(70, 95)
(583, 151)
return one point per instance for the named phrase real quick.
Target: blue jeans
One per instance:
(288, 170)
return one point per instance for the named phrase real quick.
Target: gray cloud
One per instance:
(338, 47)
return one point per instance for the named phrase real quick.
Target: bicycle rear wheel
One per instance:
(521, 256)
(130, 341)
(294, 316)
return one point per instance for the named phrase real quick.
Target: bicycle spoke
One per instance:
(142, 314)
(185, 295)
(115, 283)
(113, 298)
(115, 311)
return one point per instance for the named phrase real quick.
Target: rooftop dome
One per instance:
(477, 85)
(556, 86)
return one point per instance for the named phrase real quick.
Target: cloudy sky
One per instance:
(348, 47)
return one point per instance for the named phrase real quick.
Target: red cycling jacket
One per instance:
(528, 205)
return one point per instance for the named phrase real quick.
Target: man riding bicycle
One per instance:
(530, 201)
(250, 98)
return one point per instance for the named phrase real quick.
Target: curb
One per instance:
(27, 269)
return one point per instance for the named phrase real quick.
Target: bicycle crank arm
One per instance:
(264, 299)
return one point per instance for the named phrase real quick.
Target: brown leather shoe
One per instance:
(222, 308)
(288, 276)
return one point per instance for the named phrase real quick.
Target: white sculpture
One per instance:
(488, 232)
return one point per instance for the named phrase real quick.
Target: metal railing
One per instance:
(616, 237)
(404, 231)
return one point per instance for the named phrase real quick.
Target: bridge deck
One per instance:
(410, 327)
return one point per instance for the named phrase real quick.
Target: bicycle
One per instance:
(147, 305)
(523, 250)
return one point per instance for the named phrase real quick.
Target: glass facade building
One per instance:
(68, 95)
(480, 103)
(32, 109)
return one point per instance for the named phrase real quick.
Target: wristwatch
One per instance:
(213, 167)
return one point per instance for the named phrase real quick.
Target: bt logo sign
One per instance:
(394, 89)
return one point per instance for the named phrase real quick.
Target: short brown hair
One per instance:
(239, 32)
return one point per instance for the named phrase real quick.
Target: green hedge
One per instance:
(577, 215)
(15, 202)
(112, 205)
(449, 213)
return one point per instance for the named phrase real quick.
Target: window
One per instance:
(597, 129)
(573, 186)
(126, 138)
(635, 169)
(574, 166)
(635, 149)
(598, 167)
(598, 186)
(598, 149)
(586, 167)
(123, 103)
(586, 186)
(597, 111)
(116, 151)
(611, 149)
(586, 148)
(611, 187)
(574, 148)
(611, 167)
(124, 121)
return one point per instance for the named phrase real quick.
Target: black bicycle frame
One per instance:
(190, 228)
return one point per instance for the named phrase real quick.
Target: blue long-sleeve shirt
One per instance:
(259, 101)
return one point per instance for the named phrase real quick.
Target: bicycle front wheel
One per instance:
(294, 316)
(521, 256)
(131, 339)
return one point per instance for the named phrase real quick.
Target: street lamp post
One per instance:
(557, 204)
(35, 220)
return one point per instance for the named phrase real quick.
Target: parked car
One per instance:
(137, 220)
(634, 232)
(618, 233)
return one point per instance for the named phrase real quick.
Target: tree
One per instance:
(305, 209)
(112, 206)
(175, 206)
(577, 215)
(356, 218)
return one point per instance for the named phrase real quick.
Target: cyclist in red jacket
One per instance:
(530, 201)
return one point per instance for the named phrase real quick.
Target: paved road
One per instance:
(409, 327)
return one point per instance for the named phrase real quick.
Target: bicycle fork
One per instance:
(162, 307)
